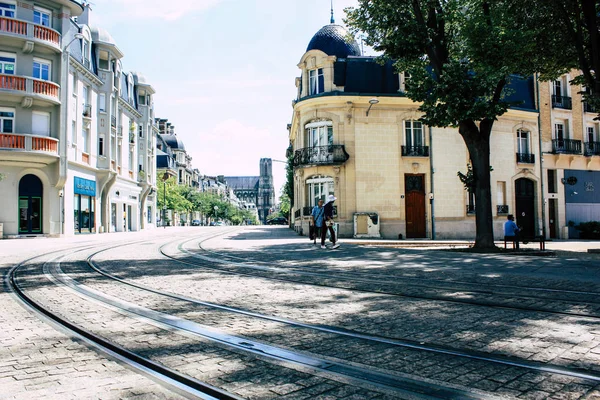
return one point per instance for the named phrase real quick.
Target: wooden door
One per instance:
(525, 206)
(414, 188)
(552, 208)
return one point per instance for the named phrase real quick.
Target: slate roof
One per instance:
(242, 182)
(173, 141)
(331, 39)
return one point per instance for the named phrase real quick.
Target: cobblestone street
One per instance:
(262, 313)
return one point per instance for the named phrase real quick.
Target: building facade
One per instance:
(355, 134)
(256, 192)
(77, 145)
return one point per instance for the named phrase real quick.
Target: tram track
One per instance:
(345, 371)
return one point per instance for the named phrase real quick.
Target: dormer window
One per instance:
(103, 59)
(41, 16)
(316, 81)
(141, 97)
(130, 87)
(7, 9)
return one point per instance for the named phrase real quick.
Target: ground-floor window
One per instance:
(113, 216)
(149, 212)
(83, 213)
(319, 187)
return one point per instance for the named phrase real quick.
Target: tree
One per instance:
(461, 55)
(573, 42)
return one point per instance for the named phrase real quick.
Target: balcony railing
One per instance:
(502, 209)
(113, 121)
(29, 85)
(120, 131)
(27, 30)
(13, 141)
(526, 158)
(588, 107)
(321, 155)
(591, 148)
(561, 102)
(567, 146)
(415, 151)
(470, 209)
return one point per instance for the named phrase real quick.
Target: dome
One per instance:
(173, 142)
(331, 39)
(102, 35)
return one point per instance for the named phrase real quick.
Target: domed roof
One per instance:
(173, 141)
(102, 35)
(331, 39)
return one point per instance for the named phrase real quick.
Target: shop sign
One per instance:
(85, 187)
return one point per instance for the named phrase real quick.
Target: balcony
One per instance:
(561, 102)
(28, 149)
(502, 209)
(526, 158)
(42, 93)
(87, 111)
(591, 149)
(321, 155)
(566, 146)
(415, 151)
(26, 35)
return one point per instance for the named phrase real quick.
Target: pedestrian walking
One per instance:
(328, 212)
(511, 231)
(317, 217)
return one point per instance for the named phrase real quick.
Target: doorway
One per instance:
(553, 218)
(525, 206)
(30, 205)
(414, 188)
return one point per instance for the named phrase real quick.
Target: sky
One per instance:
(223, 71)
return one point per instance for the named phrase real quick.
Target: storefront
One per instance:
(84, 205)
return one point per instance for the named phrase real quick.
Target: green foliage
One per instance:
(468, 179)
(589, 230)
(285, 204)
(175, 195)
(288, 188)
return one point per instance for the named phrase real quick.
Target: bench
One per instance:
(540, 239)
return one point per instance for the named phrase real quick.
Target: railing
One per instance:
(470, 209)
(87, 110)
(567, 146)
(526, 158)
(415, 151)
(120, 131)
(21, 28)
(12, 82)
(113, 121)
(588, 107)
(561, 102)
(321, 155)
(132, 137)
(297, 214)
(85, 158)
(28, 143)
(591, 148)
(86, 63)
(502, 209)
(29, 85)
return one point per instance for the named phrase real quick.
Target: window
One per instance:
(7, 120)
(103, 60)
(591, 134)
(101, 146)
(85, 136)
(102, 102)
(552, 181)
(141, 130)
(319, 133)
(7, 9)
(559, 132)
(129, 87)
(413, 134)
(74, 133)
(316, 81)
(501, 206)
(8, 62)
(41, 16)
(319, 187)
(40, 123)
(141, 97)
(557, 86)
(41, 69)
(523, 142)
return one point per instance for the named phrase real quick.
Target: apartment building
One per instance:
(77, 146)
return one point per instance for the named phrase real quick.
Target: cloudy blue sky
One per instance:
(223, 70)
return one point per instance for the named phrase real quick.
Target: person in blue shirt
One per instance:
(511, 230)
(318, 213)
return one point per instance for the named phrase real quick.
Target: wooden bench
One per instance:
(540, 239)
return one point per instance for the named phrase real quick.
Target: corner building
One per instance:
(355, 134)
(76, 138)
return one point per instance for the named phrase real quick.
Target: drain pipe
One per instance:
(431, 172)
(542, 187)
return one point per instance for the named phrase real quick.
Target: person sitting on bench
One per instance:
(511, 231)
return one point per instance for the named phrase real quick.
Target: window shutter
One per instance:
(40, 124)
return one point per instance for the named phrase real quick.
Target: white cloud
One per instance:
(144, 9)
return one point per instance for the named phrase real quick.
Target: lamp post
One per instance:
(164, 179)
(216, 208)
(372, 102)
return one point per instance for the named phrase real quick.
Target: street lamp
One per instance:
(372, 102)
(164, 178)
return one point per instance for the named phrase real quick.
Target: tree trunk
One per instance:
(477, 140)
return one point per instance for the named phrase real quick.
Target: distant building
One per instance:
(256, 189)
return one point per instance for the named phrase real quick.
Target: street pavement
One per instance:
(39, 360)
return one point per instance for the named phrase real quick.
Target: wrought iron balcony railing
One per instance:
(415, 151)
(502, 209)
(561, 102)
(591, 148)
(526, 158)
(567, 146)
(321, 155)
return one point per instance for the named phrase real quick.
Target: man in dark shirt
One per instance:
(329, 223)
